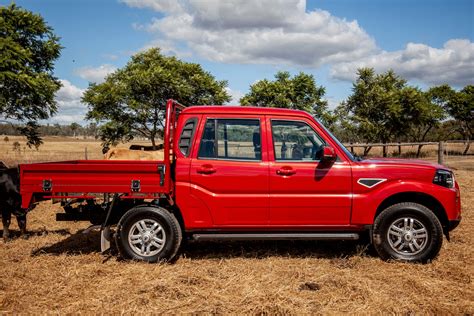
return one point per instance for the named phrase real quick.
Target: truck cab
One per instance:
(246, 173)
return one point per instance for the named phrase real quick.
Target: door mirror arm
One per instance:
(326, 154)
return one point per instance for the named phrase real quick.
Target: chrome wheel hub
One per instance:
(146, 237)
(407, 236)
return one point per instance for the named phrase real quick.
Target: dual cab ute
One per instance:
(246, 173)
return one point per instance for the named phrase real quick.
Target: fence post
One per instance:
(384, 150)
(399, 149)
(441, 152)
(85, 153)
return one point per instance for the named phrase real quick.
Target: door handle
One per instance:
(206, 169)
(285, 171)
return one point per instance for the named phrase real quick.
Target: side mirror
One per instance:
(328, 154)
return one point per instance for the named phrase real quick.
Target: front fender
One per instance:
(365, 203)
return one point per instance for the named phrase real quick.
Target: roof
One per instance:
(226, 109)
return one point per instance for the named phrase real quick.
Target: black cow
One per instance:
(10, 200)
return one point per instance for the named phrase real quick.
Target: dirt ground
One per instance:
(61, 270)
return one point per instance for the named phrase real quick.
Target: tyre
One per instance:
(408, 232)
(148, 233)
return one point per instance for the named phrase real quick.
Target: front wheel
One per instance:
(148, 233)
(409, 232)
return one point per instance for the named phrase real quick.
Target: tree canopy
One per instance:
(383, 107)
(459, 105)
(28, 49)
(300, 92)
(131, 101)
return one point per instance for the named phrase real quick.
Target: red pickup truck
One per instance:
(246, 173)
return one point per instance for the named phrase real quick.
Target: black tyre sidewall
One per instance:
(416, 211)
(164, 218)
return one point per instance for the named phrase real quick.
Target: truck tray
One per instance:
(81, 178)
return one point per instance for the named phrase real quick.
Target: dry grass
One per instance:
(53, 149)
(60, 270)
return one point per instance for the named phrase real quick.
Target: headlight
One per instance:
(444, 178)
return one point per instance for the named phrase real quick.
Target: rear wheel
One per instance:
(408, 232)
(148, 233)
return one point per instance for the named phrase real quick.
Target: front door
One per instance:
(303, 190)
(229, 174)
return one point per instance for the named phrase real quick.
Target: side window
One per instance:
(294, 140)
(236, 139)
(187, 136)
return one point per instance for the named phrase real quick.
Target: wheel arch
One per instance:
(172, 209)
(424, 199)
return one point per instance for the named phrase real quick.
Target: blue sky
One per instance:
(428, 42)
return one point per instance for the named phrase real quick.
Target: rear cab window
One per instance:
(187, 134)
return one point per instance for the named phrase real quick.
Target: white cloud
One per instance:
(283, 32)
(333, 102)
(236, 95)
(453, 64)
(68, 93)
(70, 107)
(266, 31)
(95, 74)
(66, 119)
(167, 47)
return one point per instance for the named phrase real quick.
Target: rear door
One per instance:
(303, 190)
(229, 170)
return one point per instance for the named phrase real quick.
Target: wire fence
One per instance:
(442, 150)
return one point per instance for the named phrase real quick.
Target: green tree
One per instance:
(383, 108)
(373, 107)
(28, 49)
(420, 114)
(131, 101)
(92, 129)
(299, 92)
(460, 106)
(74, 127)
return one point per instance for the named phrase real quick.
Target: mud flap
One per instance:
(446, 233)
(105, 237)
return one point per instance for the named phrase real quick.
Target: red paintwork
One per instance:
(248, 195)
(89, 176)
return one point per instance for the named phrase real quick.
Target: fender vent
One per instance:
(370, 182)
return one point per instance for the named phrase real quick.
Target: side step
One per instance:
(277, 236)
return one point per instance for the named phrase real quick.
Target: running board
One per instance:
(277, 236)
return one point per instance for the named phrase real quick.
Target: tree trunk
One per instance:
(466, 150)
(384, 151)
(153, 142)
(418, 152)
(367, 150)
(423, 139)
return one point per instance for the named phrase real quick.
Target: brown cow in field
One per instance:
(10, 200)
(127, 154)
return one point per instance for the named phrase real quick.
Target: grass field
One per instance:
(61, 270)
